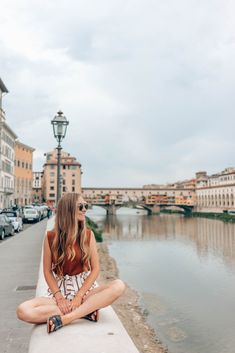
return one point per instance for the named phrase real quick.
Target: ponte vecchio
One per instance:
(147, 198)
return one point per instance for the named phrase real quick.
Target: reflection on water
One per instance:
(207, 236)
(184, 270)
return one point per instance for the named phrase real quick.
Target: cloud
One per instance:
(147, 86)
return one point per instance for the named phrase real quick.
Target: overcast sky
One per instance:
(147, 85)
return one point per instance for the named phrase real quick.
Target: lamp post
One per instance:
(59, 124)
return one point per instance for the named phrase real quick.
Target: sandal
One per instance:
(56, 321)
(91, 317)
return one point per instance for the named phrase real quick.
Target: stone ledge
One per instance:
(108, 335)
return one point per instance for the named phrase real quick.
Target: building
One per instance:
(7, 156)
(185, 184)
(70, 175)
(37, 187)
(23, 174)
(216, 193)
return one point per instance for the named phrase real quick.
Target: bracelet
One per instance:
(56, 293)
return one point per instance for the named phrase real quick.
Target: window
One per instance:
(51, 195)
(73, 182)
(73, 189)
(27, 165)
(6, 167)
(64, 188)
(22, 164)
(52, 188)
(52, 166)
(52, 174)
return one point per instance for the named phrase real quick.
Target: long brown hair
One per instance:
(68, 230)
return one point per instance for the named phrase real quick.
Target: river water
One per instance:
(184, 271)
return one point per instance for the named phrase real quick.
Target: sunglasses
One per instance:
(81, 205)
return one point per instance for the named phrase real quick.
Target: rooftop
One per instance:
(25, 146)
(3, 87)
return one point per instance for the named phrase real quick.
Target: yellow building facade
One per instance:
(23, 173)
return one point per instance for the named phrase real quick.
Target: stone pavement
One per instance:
(19, 264)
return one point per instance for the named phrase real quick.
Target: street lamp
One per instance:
(59, 124)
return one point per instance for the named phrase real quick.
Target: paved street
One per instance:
(26, 226)
(19, 262)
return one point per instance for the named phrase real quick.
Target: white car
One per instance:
(31, 215)
(15, 219)
(43, 210)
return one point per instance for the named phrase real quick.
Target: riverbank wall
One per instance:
(225, 217)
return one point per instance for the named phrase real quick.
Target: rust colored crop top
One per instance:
(71, 267)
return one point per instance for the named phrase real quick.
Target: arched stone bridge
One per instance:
(152, 200)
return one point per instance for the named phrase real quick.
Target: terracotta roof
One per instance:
(24, 145)
(54, 162)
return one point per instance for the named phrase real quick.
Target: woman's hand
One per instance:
(64, 305)
(76, 302)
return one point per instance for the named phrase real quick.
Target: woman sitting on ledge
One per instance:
(71, 267)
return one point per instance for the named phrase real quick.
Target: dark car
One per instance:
(6, 227)
(15, 219)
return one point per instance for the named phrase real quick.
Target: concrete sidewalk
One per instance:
(19, 262)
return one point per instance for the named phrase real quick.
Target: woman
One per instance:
(71, 267)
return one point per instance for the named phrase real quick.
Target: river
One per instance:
(184, 271)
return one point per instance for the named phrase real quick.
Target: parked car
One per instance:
(15, 219)
(29, 206)
(6, 227)
(43, 210)
(40, 211)
(31, 215)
